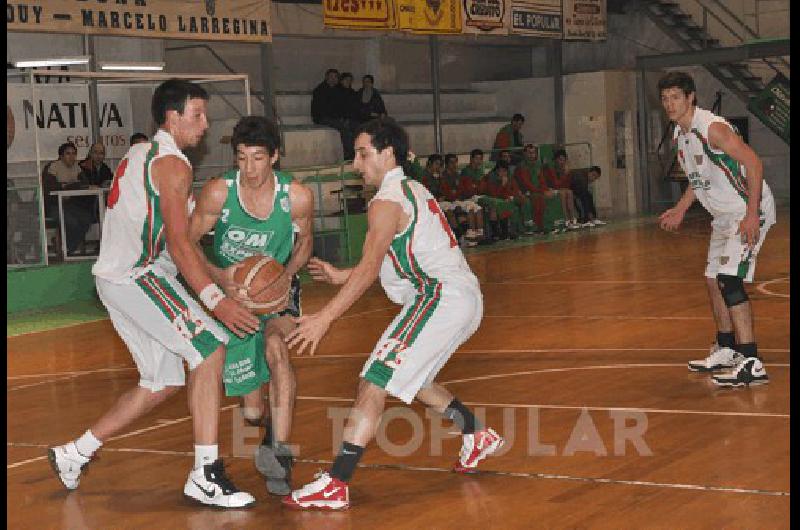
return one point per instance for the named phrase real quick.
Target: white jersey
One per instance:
(133, 230)
(425, 257)
(719, 182)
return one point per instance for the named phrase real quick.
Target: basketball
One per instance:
(257, 273)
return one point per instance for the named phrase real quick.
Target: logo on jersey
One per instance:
(390, 346)
(188, 325)
(723, 260)
(285, 204)
(239, 243)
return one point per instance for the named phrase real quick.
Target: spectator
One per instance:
(558, 178)
(370, 101)
(529, 175)
(431, 175)
(350, 105)
(450, 203)
(509, 137)
(583, 198)
(326, 109)
(94, 171)
(502, 187)
(471, 186)
(137, 138)
(63, 174)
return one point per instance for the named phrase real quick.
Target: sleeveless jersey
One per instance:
(426, 254)
(719, 181)
(133, 235)
(238, 234)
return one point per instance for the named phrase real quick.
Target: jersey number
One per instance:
(113, 194)
(433, 206)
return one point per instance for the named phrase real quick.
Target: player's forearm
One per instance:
(301, 252)
(754, 185)
(359, 280)
(191, 266)
(686, 199)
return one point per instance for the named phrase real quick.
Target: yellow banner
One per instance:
(359, 14)
(228, 20)
(429, 16)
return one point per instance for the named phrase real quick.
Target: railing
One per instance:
(24, 227)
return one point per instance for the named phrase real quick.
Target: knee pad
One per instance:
(732, 289)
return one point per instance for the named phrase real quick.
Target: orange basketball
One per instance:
(257, 273)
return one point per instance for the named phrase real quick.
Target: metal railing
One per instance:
(24, 227)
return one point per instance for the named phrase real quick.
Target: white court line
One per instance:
(121, 436)
(370, 311)
(403, 467)
(78, 372)
(559, 282)
(613, 317)
(762, 287)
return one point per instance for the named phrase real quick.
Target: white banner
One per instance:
(585, 20)
(61, 114)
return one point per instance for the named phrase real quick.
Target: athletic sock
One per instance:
(87, 444)
(346, 461)
(748, 349)
(462, 416)
(726, 339)
(204, 455)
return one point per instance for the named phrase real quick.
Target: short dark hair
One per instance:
(680, 80)
(433, 158)
(596, 169)
(368, 76)
(256, 131)
(560, 152)
(518, 117)
(345, 74)
(173, 95)
(63, 148)
(329, 70)
(135, 137)
(448, 157)
(385, 132)
(501, 164)
(529, 145)
(475, 152)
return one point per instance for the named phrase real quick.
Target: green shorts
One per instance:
(245, 366)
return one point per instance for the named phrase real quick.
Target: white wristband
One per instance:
(211, 295)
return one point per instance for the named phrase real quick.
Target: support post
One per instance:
(437, 117)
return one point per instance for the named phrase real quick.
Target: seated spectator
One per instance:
(369, 100)
(583, 198)
(350, 105)
(64, 174)
(431, 175)
(505, 200)
(94, 171)
(471, 186)
(463, 215)
(137, 138)
(509, 137)
(326, 109)
(558, 178)
(529, 175)
(448, 192)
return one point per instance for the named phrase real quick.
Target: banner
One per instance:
(585, 20)
(537, 19)
(359, 14)
(771, 106)
(61, 114)
(429, 16)
(485, 17)
(228, 20)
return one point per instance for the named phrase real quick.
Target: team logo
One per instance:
(285, 204)
(723, 260)
(698, 159)
(10, 127)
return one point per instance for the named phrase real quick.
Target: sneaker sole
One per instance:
(51, 456)
(458, 468)
(218, 506)
(712, 369)
(314, 506)
(733, 384)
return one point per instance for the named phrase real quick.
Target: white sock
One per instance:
(87, 444)
(204, 454)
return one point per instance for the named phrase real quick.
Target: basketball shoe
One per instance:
(210, 485)
(476, 447)
(750, 371)
(68, 463)
(325, 492)
(718, 358)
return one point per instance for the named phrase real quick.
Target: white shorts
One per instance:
(162, 326)
(727, 254)
(421, 339)
(468, 205)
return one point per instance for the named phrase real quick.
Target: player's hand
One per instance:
(232, 289)
(671, 219)
(748, 229)
(236, 317)
(322, 271)
(309, 331)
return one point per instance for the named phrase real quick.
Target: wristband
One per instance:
(211, 295)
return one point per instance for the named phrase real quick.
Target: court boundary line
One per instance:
(484, 472)
(762, 288)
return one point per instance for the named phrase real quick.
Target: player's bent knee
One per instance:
(732, 289)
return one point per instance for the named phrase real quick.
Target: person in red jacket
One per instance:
(505, 202)
(532, 183)
(559, 179)
(471, 186)
(459, 213)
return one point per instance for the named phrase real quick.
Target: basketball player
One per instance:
(725, 175)
(161, 324)
(255, 210)
(410, 244)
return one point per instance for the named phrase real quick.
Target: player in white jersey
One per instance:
(410, 245)
(160, 323)
(725, 175)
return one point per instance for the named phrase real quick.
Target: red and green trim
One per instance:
(730, 167)
(153, 229)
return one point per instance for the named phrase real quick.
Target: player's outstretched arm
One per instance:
(322, 271)
(173, 179)
(383, 218)
(302, 200)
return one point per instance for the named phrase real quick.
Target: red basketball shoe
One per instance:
(326, 493)
(475, 448)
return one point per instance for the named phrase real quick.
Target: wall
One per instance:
(533, 98)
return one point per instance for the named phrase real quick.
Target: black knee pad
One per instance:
(732, 289)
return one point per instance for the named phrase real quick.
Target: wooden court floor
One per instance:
(582, 339)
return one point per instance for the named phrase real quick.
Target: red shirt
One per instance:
(467, 187)
(448, 187)
(508, 191)
(558, 180)
(527, 181)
